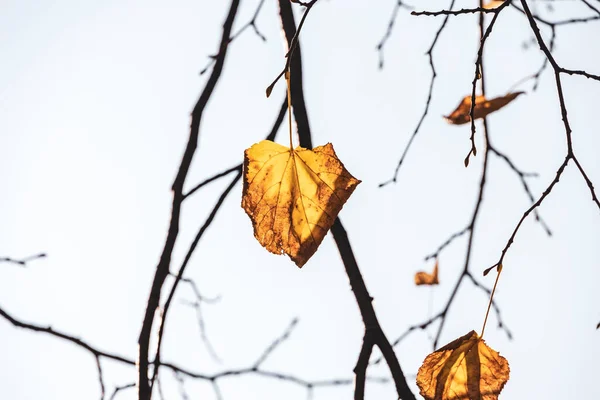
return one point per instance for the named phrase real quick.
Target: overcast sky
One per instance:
(95, 100)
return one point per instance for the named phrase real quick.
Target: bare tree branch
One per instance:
(249, 24)
(119, 389)
(570, 154)
(253, 370)
(522, 175)
(23, 262)
(429, 53)
(199, 235)
(479, 73)
(373, 332)
(390, 27)
(162, 269)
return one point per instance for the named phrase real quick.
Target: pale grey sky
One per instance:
(94, 112)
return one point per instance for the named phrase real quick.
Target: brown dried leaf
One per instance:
(482, 108)
(463, 369)
(424, 278)
(293, 197)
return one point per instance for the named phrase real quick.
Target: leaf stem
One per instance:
(487, 312)
(289, 102)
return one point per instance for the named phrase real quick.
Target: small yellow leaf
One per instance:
(463, 369)
(482, 108)
(424, 278)
(293, 197)
(493, 4)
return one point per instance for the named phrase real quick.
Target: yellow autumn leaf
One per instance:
(493, 4)
(465, 369)
(483, 107)
(293, 196)
(425, 278)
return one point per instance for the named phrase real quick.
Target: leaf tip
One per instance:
(269, 90)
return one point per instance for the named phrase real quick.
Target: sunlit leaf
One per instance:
(493, 4)
(464, 369)
(425, 278)
(293, 197)
(482, 108)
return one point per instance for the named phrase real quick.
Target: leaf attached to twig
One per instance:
(493, 4)
(464, 369)
(483, 107)
(294, 196)
(425, 278)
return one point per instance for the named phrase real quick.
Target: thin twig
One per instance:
(448, 241)
(162, 269)
(100, 378)
(205, 226)
(119, 389)
(292, 44)
(522, 175)
(249, 24)
(570, 154)
(275, 343)
(479, 74)
(373, 330)
(390, 28)
(253, 370)
(23, 262)
(429, 53)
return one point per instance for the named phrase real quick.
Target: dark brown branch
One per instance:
(270, 136)
(501, 324)
(208, 222)
(254, 370)
(22, 261)
(197, 305)
(479, 74)
(293, 64)
(181, 383)
(427, 103)
(545, 63)
(557, 23)
(591, 7)
(528, 211)
(360, 370)
(249, 24)
(522, 175)
(119, 389)
(457, 12)
(286, 334)
(482, 182)
(188, 256)
(448, 241)
(570, 154)
(390, 28)
(100, 378)
(410, 329)
(212, 179)
(217, 390)
(470, 229)
(373, 332)
(162, 269)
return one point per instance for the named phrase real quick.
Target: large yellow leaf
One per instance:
(293, 197)
(483, 107)
(463, 369)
